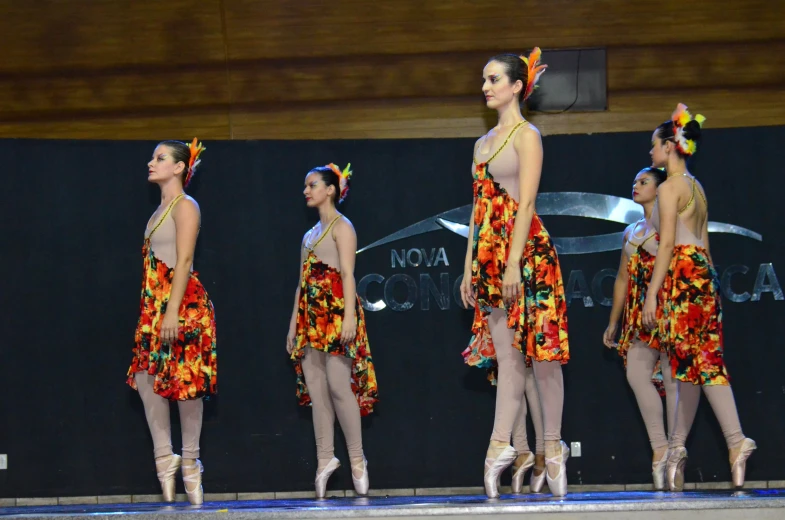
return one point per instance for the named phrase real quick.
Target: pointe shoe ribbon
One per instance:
(323, 476)
(361, 484)
(519, 472)
(558, 484)
(166, 478)
(494, 469)
(195, 495)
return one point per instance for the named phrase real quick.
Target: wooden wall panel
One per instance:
(210, 126)
(58, 35)
(463, 117)
(262, 30)
(115, 92)
(112, 69)
(678, 67)
(251, 69)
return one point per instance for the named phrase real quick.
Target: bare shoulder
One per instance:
(527, 136)
(188, 201)
(529, 129)
(668, 187)
(187, 208)
(343, 227)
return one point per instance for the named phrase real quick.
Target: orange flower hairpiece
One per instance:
(343, 177)
(196, 150)
(680, 118)
(533, 71)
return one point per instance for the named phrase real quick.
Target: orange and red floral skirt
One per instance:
(691, 328)
(639, 269)
(187, 369)
(539, 317)
(319, 322)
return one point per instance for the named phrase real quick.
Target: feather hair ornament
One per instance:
(680, 118)
(534, 70)
(343, 177)
(196, 150)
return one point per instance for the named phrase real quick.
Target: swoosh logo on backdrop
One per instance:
(569, 204)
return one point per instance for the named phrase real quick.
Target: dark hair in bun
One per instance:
(658, 174)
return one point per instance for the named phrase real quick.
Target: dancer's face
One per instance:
(660, 150)
(644, 189)
(162, 167)
(316, 190)
(497, 87)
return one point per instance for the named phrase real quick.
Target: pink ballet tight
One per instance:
(329, 384)
(682, 401)
(520, 439)
(722, 403)
(641, 360)
(511, 386)
(156, 409)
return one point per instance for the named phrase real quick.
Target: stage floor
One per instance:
(763, 504)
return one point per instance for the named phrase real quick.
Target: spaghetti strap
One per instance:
(166, 213)
(646, 239)
(492, 157)
(694, 188)
(692, 196)
(326, 232)
(632, 235)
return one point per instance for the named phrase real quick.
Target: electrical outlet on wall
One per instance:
(575, 449)
(3, 461)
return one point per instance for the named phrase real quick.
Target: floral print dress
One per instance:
(539, 317)
(691, 324)
(639, 270)
(691, 328)
(319, 319)
(187, 369)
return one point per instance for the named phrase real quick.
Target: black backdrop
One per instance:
(73, 214)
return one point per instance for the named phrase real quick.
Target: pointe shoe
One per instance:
(519, 472)
(361, 484)
(195, 495)
(677, 460)
(322, 477)
(495, 467)
(658, 472)
(739, 466)
(536, 482)
(558, 484)
(166, 478)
